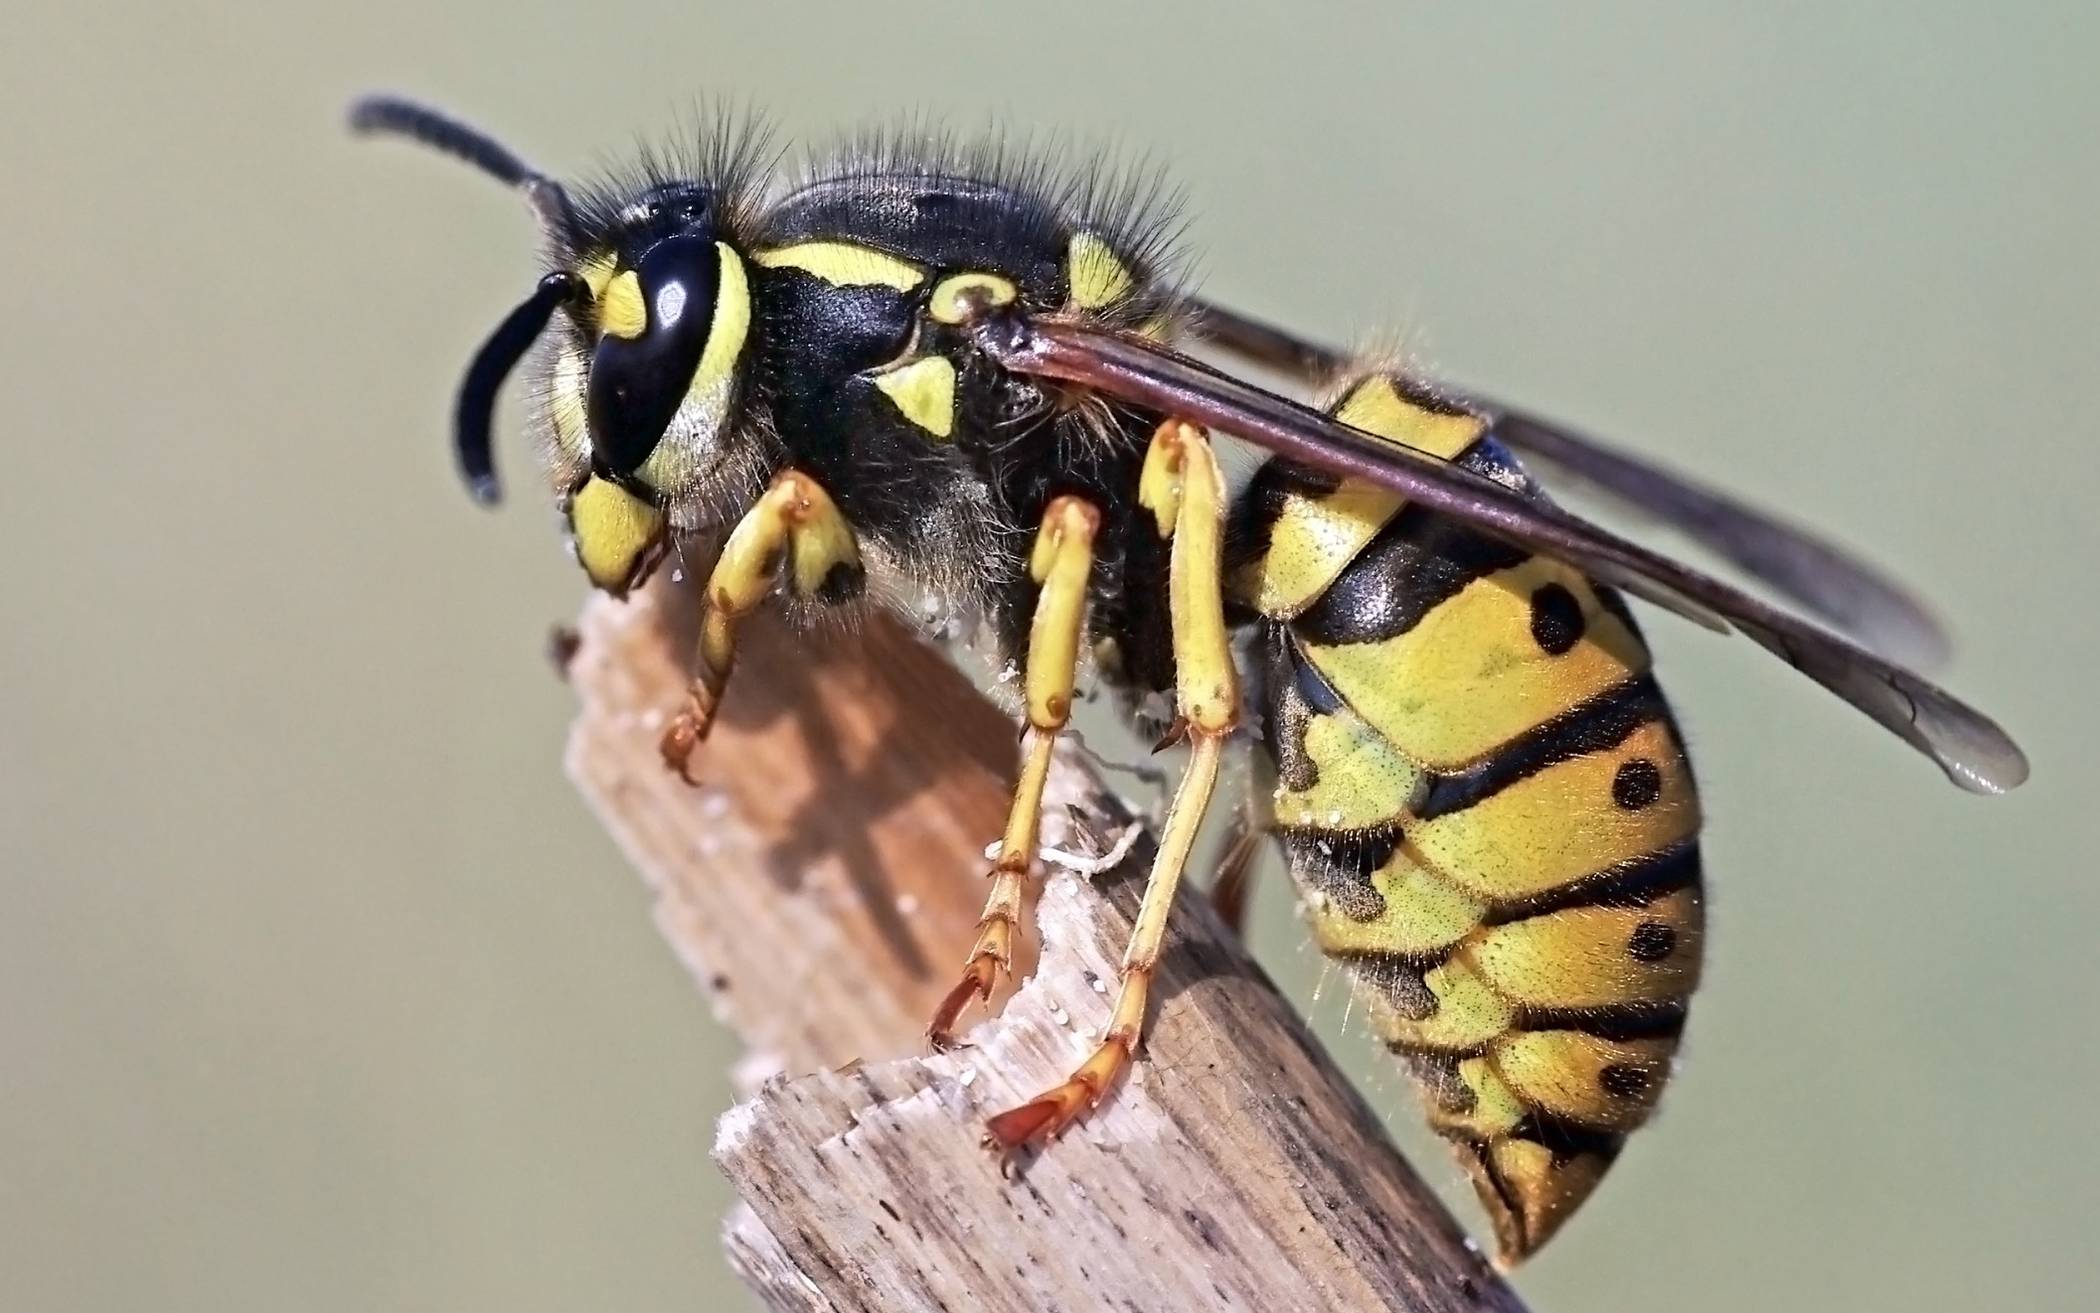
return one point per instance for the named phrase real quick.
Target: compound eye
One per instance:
(654, 322)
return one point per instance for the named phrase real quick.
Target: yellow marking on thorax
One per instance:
(1315, 538)
(1470, 675)
(924, 392)
(684, 452)
(1095, 275)
(1564, 823)
(950, 301)
(844, 264)
(621, 312)
(616, 533)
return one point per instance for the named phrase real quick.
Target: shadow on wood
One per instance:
(821, 887)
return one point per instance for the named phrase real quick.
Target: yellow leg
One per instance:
(1062, 562)
(796, 522)
(1183, 490)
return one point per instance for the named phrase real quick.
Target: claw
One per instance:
(1041, 1117)
(1049, 1114)
(683, 736)
(1176, 733)
(976, 984)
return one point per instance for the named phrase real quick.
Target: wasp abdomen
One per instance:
(1486, 807)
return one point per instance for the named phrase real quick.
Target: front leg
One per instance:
(1182, 488)
(794, 521)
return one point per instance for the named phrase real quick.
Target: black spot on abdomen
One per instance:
(1556, 619)
(1636, 784)
(1651, 941)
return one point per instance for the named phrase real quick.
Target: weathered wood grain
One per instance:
(821, 889)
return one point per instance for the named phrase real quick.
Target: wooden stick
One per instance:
(821, 887)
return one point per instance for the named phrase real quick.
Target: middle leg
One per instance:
(1061, 564)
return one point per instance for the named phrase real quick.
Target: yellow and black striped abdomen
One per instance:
(1486, 807)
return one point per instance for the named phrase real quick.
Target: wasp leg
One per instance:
(1183, 490)
(796, 522)
(1062, 561)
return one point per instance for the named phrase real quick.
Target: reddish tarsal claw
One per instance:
(1042, 1118)
(1046, 1116)
(682, 738)
(975, 985)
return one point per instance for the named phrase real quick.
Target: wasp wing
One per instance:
(1827, 581)
(1974, 752)
(1831, 583)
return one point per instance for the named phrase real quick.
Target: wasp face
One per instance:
(640, 385)
(652, 375)
(654, 324)
(671, 314)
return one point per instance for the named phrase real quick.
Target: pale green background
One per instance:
(318, 989)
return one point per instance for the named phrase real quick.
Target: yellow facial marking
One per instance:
(1361, 782)
(924, 392)
(1376, 406)
(621, 312)
(1586, 957)
(617, 535)
(1096, 276)
(844, 264)
(1471, 674)
(950, 301)
(1563, 823)
(684, 455)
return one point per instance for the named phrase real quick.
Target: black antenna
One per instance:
(395, 117)
(405, 118)
(492, 364)
(392, 116)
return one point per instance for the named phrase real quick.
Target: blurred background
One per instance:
(319, 989)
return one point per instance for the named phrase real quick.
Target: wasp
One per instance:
(924, 370)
